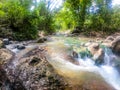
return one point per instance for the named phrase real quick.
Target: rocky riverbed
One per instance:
(54, 65)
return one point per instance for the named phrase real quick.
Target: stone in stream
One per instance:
(93, 48)
(87, 44)
(5, 56)
(109, 39)
(116, 45)
(97, 53)
(74, 54)
(6, 41)
(20, 46)
(41, 40)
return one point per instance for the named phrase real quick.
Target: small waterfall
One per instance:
(107, 71)
(111, 76)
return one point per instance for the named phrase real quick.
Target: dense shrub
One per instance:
(24, 21)
(46, 22)
(89, 16)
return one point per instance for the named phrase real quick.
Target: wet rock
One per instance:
(20, 47)
(109, 39)
(99, 56)
(6, 41)
(116, 45)
(87, 44)
(97, 53)
(3, 79)
(74, 54)
(11, 42)
(109, 45)
(93, 48)
(42, 40)
(36, 72)
(5, 55)
(34, 61)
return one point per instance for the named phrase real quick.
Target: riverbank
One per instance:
(51, 65)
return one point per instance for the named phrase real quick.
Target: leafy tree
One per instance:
(115, 20)
(101, 18)
(89, 15)
(46, 22)
(79, 9)
(21, 20)
(25, 22)
(62, 21)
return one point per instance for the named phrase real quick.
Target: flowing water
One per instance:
(108, 72)
(87, 68)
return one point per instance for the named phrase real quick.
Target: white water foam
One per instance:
(108, 72)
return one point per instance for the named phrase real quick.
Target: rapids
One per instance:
(87, 70)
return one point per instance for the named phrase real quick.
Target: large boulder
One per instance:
(93, 48)
(116, 45)
(97, 53)
(36, 73)
(5, 56)
(108, 41)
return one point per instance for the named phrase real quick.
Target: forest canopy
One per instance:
(89, 15)
(23, 19)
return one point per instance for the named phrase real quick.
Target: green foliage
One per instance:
(115, 22)
(74, 13)
(62, 21)
(46, 22)
(21, 20)
(2, 13)
(87, 15)
(95, 15)
(101, 18)
(25, 22)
